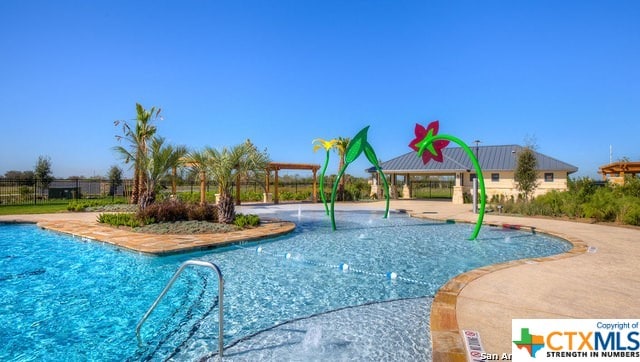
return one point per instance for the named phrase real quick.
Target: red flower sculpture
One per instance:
(425, 141)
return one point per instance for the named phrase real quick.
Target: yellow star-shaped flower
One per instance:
(327, 145)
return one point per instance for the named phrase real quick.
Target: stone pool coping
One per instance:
(84, 225)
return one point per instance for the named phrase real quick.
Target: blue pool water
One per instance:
(62, 298)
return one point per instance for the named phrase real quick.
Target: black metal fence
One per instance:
(24, 192)
(21, 192)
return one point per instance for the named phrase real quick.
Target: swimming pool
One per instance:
(62, 298)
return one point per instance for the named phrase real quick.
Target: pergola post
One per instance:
(406, 188)
(275, 187)
(173, 180)
(315, 188)
(393, 189)
(203, 187)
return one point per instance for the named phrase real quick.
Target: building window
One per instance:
(548, 177)
(472, 176)
(495, 177)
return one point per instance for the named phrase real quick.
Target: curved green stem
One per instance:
(476, 165)
(322, 196)
(386, 186)
(333, 195)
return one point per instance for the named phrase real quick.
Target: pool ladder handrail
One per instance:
(170, 284)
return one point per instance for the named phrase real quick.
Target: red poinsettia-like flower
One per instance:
(424, 141)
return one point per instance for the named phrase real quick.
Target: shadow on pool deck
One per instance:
(601, 283)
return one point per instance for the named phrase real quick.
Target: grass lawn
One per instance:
(33, 209)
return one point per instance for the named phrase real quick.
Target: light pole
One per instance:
(475, 181)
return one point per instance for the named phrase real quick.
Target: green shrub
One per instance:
(243, 221)
(251, 196)
(629, 211)
(357, 189)
(584, 199)
(581, 189)
(83, 204)
(122, 219)
(188, 196)
(287, 196)
(603, 206)
(631, 186)
(76, 206)
(302, 195)
(549, 204)
(194, 197)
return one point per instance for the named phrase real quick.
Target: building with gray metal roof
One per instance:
(497, 163)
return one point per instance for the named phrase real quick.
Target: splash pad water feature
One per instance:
(427, 139)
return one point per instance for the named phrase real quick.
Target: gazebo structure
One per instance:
(277, 166)
(616, 171)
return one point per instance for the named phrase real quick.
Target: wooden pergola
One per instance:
(273, 166)
(277, 166)
(617, 170)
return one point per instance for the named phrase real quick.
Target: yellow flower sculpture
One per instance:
(327, 145)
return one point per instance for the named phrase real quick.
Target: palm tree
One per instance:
(158, 163)
(138, 138)
(341, 147)
(197, 161)
(227, 165)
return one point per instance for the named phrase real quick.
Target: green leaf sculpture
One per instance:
(356, 147)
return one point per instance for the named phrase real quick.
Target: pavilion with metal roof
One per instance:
(497, 163)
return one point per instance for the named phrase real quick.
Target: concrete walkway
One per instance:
(603, 282)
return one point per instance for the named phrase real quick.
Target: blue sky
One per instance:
(282, 73)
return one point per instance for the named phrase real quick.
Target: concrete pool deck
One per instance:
(599, 278)
(603, 282)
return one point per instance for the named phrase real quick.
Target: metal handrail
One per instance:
(168, 286)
